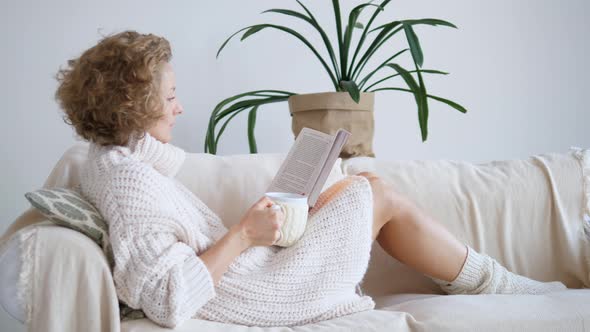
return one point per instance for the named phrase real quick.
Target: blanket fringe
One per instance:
(28, 243)
(583, 156)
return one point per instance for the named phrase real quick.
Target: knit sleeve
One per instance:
(153, 270)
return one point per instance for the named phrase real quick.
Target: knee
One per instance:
(385, 195)
(369, 175)
(377, 183)
(382, 191)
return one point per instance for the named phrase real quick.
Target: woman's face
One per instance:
(162, 130)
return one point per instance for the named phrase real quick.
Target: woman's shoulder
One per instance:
(110, 175)
(118, 164)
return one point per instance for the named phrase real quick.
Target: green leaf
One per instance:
(222, 110)
(336, 5)
(251, 125)
(417, 90)
(383, 35)
(241, 106)
(443, 100)
(408, 78)
(429, 71)
(352, 20)
(226, 123)
(228, 39)
(359, 25)
(414, 45)
(252, 31)
(210, 141)
(352, 90)
(382, 65)
(256, 28)
(427, 21)
(430, 21)
(311, 20)
(244, 104)
(250, 102)
(381, 39)
(423, 111)
(287, 12)
(364, 34)
(450, 103)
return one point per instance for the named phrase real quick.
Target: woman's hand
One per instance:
(261, 225)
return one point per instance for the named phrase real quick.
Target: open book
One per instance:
(308, 164)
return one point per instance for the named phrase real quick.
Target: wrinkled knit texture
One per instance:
(158, 228)
(482, 274)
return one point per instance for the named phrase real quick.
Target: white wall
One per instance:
(518, 66)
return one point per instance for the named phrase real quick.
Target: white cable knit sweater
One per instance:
(158, 228)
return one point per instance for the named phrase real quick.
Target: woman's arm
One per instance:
(259, 227)
(154, 270)
(220, 255)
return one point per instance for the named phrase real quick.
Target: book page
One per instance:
(300, 170)
(341, 138)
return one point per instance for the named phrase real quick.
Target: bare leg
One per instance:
(417, 240)
(411, 236)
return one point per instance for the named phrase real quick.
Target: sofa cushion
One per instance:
(371, 320)
(67, 208)
(529, 214)
(559, 311)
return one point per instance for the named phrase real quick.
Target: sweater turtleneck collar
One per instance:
(163, 157)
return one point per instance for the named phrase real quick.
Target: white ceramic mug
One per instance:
(295, 209)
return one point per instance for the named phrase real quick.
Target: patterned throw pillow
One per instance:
(67, 208)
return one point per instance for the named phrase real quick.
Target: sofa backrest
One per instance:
(529, 214)
(229, 185)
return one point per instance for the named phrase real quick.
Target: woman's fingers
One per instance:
(278, 236)
(264, 202)
(281, 216)
(277, 217)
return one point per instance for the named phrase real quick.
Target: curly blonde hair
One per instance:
(112, 91)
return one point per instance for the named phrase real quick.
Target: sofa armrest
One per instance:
(10, 267)
(70, 282)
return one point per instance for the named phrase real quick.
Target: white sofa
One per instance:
(530, 214)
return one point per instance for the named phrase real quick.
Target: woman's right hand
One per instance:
(260, 225)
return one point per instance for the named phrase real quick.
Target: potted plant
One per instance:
(350, 106)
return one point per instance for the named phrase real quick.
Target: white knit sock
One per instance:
(482, 274)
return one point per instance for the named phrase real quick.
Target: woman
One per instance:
(174, 258)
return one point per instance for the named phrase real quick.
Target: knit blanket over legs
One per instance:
(158, 228)
(314, 280)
